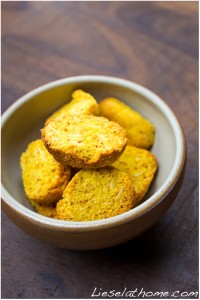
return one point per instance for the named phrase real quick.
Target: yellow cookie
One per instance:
(45, 210)
(84, 141)
(82, 103)
(140, 165)
(43, 177)
(140, 132)
(96, 194)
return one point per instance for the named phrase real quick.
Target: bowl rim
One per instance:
(134, 213)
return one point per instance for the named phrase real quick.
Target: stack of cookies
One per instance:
(92, 161)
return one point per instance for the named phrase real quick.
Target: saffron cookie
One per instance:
(96, 194)
(45, 210)
(44, 178)
(140, 165)
(82, 103)
(84, 141)
(140, 132)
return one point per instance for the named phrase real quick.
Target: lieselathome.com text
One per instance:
(142, 293)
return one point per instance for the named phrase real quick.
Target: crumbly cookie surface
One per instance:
(82, 103)
(140, 131)
(96, 194)
(140, 165)
(44, 178)
(84, 141)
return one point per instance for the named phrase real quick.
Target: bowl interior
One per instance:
(22, 125)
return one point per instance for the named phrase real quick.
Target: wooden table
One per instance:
(154, 44)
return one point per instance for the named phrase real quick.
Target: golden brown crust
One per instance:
(84, 141)
(96, 194)
(43, 177)
(82, 103)
(140, 132)
(140, 165)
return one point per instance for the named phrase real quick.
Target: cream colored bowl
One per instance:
(21, 124)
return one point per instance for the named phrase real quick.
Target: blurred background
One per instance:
(154, 44)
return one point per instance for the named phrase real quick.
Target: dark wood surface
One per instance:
(152, 43)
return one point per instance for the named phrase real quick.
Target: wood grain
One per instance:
(152, 43)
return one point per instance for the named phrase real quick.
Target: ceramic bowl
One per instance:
(21, 124)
